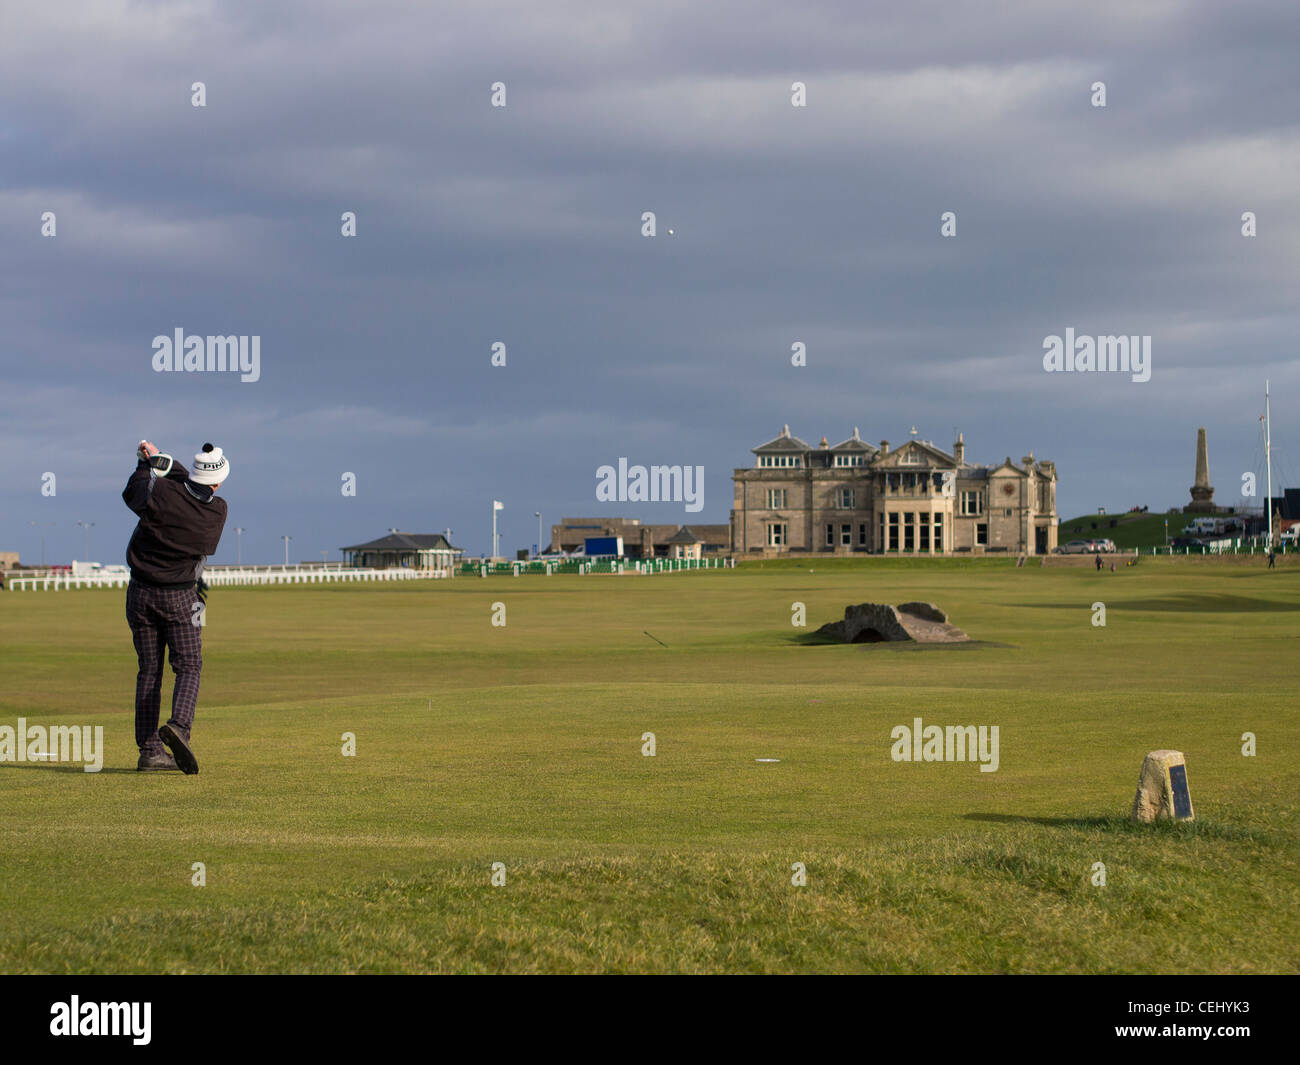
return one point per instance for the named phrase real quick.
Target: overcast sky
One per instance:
(522, 224)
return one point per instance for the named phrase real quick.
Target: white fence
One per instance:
(245, 575)
(1220, 547)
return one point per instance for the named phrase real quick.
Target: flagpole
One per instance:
(1268, 465)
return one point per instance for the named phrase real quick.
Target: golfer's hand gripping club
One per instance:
(160, 463)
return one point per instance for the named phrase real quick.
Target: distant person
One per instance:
(1272, 557)
(181, 520)
(1099, 563)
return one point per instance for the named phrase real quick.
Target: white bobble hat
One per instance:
(210, 466)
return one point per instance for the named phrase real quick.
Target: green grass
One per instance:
(1131, 530)
(522, 745)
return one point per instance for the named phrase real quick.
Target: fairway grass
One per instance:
(522, 745)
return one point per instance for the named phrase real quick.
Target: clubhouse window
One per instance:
(982, 534)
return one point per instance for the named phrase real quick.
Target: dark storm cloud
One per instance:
(521, 225)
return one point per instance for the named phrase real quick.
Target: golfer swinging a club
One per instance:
(180, 524)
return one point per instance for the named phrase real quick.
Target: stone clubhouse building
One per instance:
(917, 499)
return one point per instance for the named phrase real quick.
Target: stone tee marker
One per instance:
(1162, 789)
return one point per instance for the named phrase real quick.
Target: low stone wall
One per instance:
(1120, 558)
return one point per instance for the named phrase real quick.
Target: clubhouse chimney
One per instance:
(884, 447)
(959, 450)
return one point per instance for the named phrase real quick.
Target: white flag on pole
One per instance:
(498, 506)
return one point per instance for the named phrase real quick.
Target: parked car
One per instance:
(1075, 547)
(1289, 537)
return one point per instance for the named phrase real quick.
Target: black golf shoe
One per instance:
(150, 762)
(179, 742)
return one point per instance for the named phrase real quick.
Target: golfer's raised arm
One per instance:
(136, 493)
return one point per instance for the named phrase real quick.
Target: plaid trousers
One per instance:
(164, 619)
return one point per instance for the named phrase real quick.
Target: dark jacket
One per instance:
(180, 525)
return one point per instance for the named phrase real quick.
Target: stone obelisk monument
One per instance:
(1202, 494)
